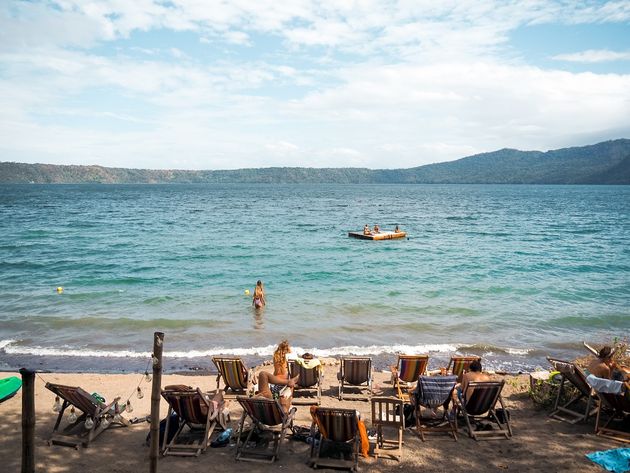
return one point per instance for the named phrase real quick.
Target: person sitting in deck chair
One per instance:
(475, 373)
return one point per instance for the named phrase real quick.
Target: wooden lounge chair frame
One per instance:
(458, 365)
(103, 415)
(277, 424)
(404, 378)
(486, 409)
(310, 381)
(388, 412)
(446, 423)
(236, 382)
(362, 380)
(573, 374)
(618, 406)
(339, 417)
(175, 399)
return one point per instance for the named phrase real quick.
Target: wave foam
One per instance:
(11, 347)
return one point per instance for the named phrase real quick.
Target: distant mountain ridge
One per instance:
(602, 163)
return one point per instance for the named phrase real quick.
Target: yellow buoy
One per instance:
(60, 289)
(247, 292)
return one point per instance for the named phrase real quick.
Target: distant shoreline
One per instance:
(602, 163)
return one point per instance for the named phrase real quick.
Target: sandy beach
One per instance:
(539, 443)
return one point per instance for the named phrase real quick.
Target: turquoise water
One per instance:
(510, 272)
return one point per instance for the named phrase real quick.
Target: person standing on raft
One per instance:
(258, 301)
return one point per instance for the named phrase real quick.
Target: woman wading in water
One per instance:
(258, 300)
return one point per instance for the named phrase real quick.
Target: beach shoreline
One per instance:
(538, 442)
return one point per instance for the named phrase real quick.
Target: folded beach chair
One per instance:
(196, 411)
(266, 416)
(309, 382)
(96, 414)
(614, 402)
(335, 428)
(479, 403)
(460, 365)
(568, 412)
(356, 371)
(432, 393)
(407, 370)
(235, 375)
(388, 412)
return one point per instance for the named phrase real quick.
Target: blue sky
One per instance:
(197, 84)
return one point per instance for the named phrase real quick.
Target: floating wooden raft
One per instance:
(382, 235)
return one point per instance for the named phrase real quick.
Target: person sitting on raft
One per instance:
(270, 385)
(397, 230)
(258, 301)
(376, 229)
(366, 230)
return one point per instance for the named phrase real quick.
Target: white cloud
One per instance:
(367, 83)
(594, 55)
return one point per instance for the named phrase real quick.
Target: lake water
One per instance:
(513, 273)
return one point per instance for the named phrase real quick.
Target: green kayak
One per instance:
(9, 386)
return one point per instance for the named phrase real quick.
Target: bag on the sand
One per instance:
(172, 430)
(409, 413)
(503, 415)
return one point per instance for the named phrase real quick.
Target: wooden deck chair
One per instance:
(196, 411)
(573, 374)
(236, 377)
(432, 393)
(335, 427)
(408, 369)
(266, 415)
(388, 412)
(458, 365)
(101, 416)
(615, 405)
(479, 403)
(309, 382)
(356, 371)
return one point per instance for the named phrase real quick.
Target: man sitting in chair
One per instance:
(474, 374)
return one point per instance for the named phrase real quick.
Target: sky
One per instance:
(203, 84)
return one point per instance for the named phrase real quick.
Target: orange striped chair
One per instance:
(356, 371)
(406, 373)
(460, 365)
(99, 416)
(234, 374)
(195, 411)
(266, 415)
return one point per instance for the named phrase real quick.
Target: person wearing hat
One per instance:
(603, 365)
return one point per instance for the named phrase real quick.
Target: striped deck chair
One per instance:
(356, 371)
(479, 403)
(614, 402)
(309, 382)
(102, 416)
(335, 427)
(435, 392)
(235, 375)
(406, 372)
(196, 411)
(460, 365)
(266, 415)
(573, 374)
(388, 412)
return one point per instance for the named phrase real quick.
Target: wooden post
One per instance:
(28, 420)
(158, 341)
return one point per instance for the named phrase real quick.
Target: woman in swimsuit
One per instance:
(270, 385)
(258, 300)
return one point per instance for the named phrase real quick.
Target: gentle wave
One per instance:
(13, 348)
